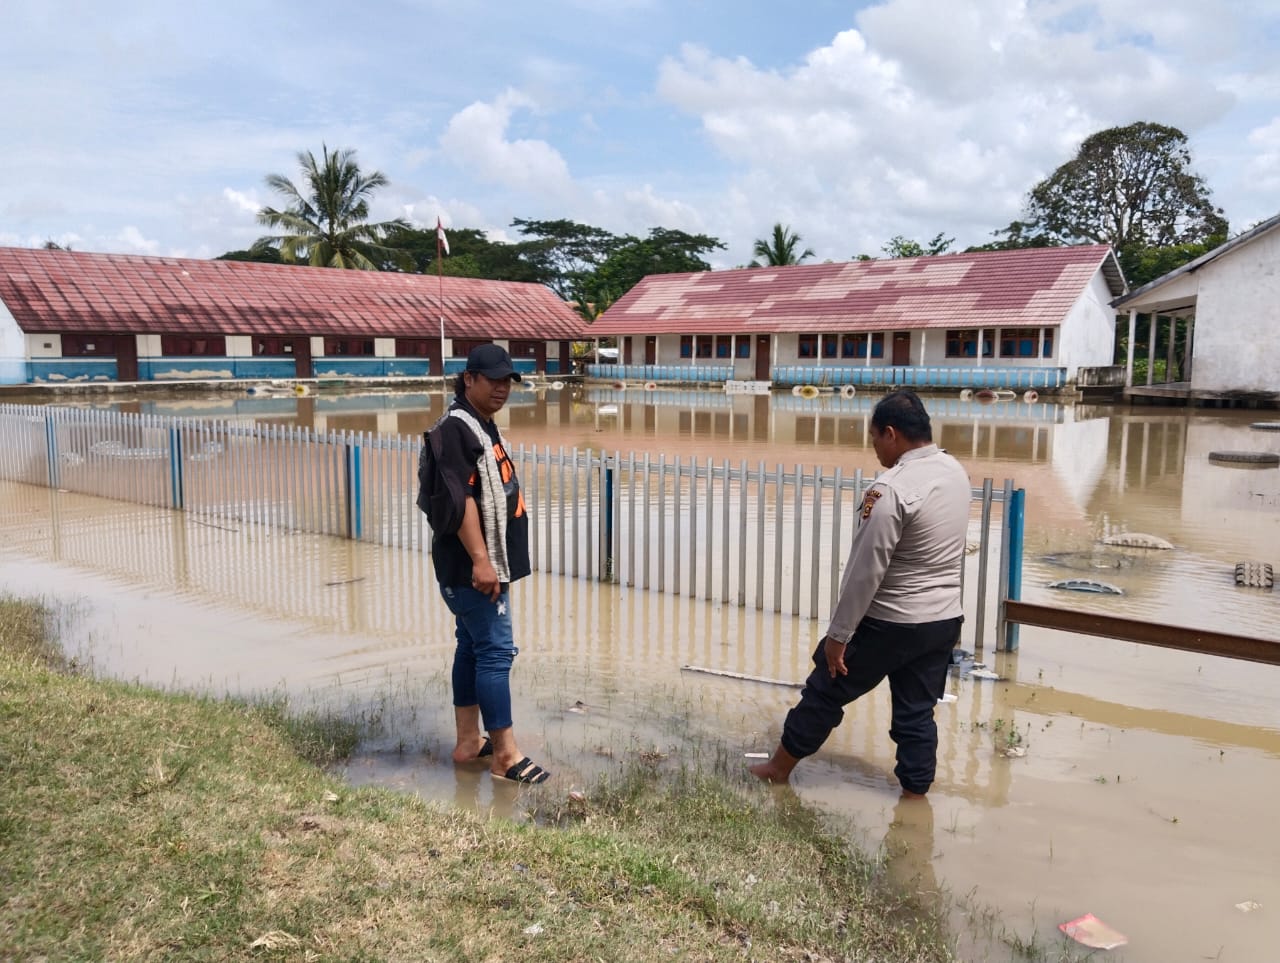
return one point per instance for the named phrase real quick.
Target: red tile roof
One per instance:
(57, 291)
(1029, 286)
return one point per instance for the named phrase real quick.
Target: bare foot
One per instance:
(768, 772)
(777, 769)
(470, 750)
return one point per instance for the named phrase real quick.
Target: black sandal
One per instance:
(526, 772)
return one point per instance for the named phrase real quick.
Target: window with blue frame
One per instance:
(1019, 342)
(744, 347)
(704, 345)
(964, 343)
(686, 346)
(724, 346)
(830, 345)
(807, 346)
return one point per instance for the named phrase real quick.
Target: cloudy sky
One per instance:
(144, 127)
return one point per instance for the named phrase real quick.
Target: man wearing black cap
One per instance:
(476, 565)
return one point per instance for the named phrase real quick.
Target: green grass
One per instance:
(142, 825)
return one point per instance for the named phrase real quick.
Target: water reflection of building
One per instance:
(1011, 430)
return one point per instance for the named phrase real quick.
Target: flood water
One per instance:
(1146, 792)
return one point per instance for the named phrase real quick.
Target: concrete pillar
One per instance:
(1128, 360)
(1152, 329)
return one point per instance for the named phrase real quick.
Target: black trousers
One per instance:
(915, 658)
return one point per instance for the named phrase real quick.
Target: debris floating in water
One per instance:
(1087, 585)
(1090, 931)
(1255, 574)
(1138, 540)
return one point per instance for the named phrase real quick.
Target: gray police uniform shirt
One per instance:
(904, 564)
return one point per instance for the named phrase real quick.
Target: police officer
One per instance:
(899, 610)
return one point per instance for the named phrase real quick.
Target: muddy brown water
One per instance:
(1147, 791)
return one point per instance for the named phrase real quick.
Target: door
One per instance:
(301, 357)
(126, 348)
(650, 349)
(762, 357)
(902, 348)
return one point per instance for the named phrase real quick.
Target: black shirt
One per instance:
(462, 453)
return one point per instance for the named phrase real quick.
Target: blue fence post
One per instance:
(175, 469)
(51, 451)
(355, 496)
(1017, 516)
(608, 518)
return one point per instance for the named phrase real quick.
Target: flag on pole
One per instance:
(441, 240)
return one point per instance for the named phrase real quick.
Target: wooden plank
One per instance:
(1204, 641)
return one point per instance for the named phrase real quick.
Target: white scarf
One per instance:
(493, 504)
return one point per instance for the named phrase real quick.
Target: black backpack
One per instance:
(441, 497)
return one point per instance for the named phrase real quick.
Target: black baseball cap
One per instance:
(493, 362)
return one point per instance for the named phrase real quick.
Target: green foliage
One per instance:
(327, 225)
(565, 253)
(262, 252)
(1131, 187)
(900, 246)
(471, 255)
(779, 249)
(1143, 265)
(662, 252)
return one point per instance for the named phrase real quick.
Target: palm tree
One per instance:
(328, 227)
(779, 250)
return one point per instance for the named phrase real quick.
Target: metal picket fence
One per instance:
(769, 538)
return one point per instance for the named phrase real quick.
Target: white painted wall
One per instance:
(1236, 338)
(149, 346)
(13, 349)
(239, 346)
(44, 345)
(1087, 337)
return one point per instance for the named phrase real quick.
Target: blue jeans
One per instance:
(486, 648)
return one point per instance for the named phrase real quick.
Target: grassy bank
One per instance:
(136, 824)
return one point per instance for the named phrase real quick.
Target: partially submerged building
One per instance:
(1229, 300)
(1028, 318)
(68, 317)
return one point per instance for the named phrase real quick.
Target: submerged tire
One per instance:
(1138, 540)
(1255, 575)
(1245, 457)
(1087, 585)
(809, 391)
(848, 391)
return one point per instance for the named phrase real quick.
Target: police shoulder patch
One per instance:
(869, 501)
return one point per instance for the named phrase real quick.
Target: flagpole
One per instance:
(444, 380)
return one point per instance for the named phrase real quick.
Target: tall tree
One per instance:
(662, 252)
(471, 255)
(564, 253)
(779, 249)
(1131, 187)
(328, 226)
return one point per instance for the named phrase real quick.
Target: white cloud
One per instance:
(853, 124)
(476, 138)
(241, 201)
